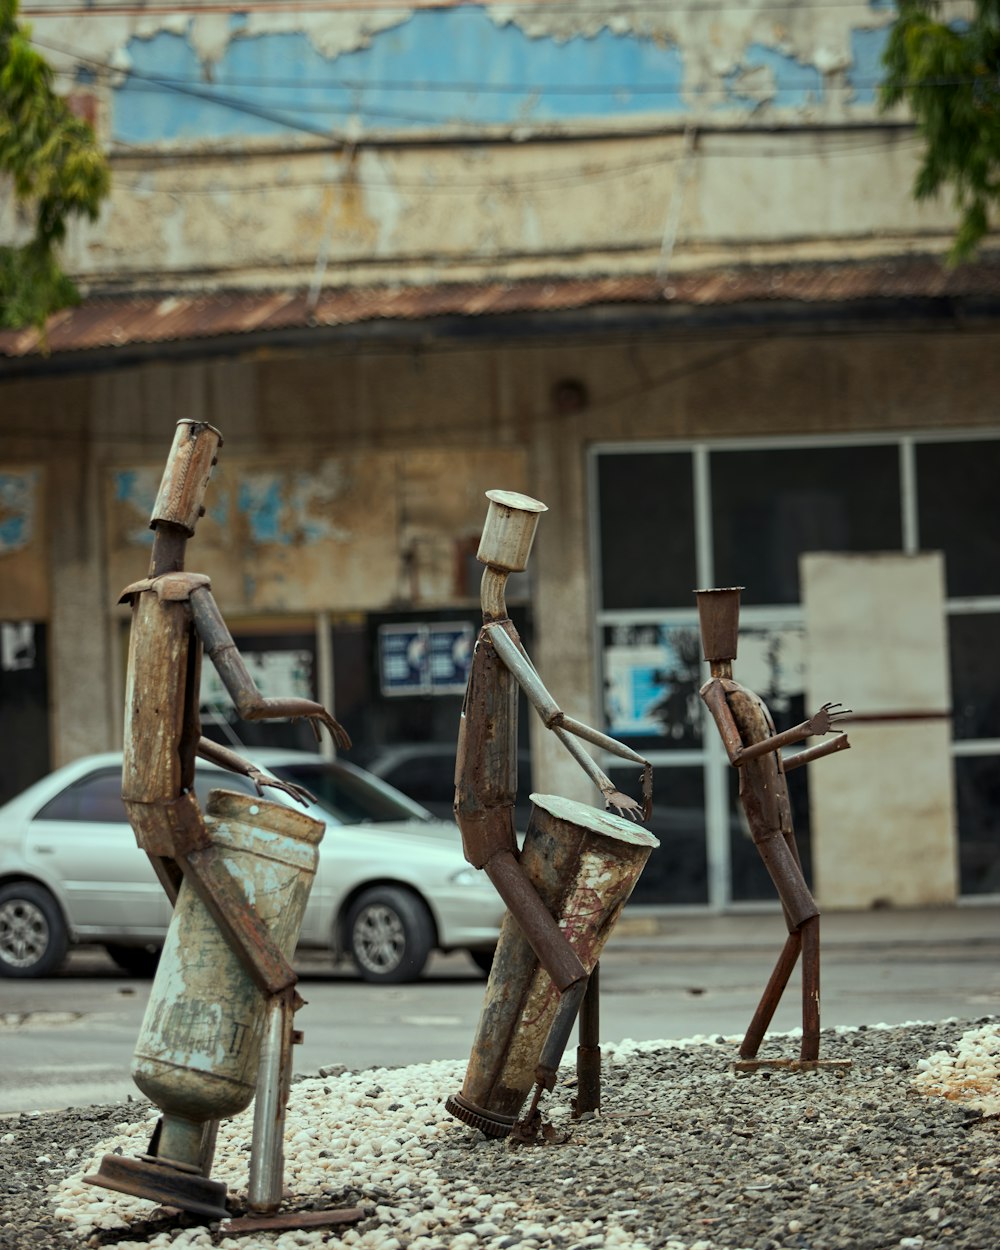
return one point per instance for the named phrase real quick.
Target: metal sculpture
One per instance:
(238, 877)
(755, 748)
(560, 906)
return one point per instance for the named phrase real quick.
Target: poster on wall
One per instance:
(276, 673)
(651, 679)
(425, 658)
(653, 673)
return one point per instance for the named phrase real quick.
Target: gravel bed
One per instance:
(900, 1150)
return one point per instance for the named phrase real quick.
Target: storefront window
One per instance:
(977, 785)
(958, 514)
(646, 529)
(651, 678)
(770, 506)
(975, 675)
(677, 871)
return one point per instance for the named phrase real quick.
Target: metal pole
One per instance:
(267, 1155)
(588, 1053)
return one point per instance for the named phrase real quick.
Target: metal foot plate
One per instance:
(158, 1182)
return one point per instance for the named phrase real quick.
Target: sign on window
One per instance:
(425, 658)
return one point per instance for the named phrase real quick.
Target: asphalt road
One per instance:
(67, 1041)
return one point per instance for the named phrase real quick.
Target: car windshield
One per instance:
(351, 799)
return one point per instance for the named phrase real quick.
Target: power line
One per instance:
(293, 120)
(507, 181)
(592, 8)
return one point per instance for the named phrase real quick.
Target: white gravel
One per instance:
(687, 1155)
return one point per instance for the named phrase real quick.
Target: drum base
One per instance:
(488, 1122)
(159, 1182)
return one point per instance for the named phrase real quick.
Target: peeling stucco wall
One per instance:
(358, 531)
(23, 543)
(259, 73)
(278, 146)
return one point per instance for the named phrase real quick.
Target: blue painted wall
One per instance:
(438, 68)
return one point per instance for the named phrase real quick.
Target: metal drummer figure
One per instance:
(175, 618)
(486, 775)
(753, 746)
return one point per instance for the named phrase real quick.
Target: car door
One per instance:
(82, 838)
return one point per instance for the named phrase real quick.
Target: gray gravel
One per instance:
(686, 1154)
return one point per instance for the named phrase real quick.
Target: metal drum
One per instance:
(199, 1045)
(583, 863)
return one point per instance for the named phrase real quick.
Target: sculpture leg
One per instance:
(588, 1052)
(267, 1156)
(772, 996)
(810, 989)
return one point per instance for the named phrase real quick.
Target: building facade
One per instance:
(664, 273)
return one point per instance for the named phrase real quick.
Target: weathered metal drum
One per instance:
(583, 863)
(198, 1049)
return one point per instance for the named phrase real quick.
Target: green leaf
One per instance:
(949, 76)
(57, 170)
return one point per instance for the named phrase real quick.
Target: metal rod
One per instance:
(267, 1158)
(810, 989)
(588, 1053)
(772, 993)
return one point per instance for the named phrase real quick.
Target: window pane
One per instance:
(958, 514)
(646, 503)
(94, 798)
(977, 783)
(207, 780)
(751, 880)
(768, 507)
(677, 871)
(975, 675)
(652, 674)
(282, 666)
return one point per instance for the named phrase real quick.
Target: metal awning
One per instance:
(115, 323)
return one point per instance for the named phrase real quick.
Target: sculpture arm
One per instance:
(840, 743)
(714, 697)
(818, 724)
(567, 730)
(250, 703)
(229, 760)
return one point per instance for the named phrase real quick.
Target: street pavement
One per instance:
(67, 1040)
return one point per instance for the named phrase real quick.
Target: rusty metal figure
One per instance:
(486, 779)
(753, 746)
(175, 618)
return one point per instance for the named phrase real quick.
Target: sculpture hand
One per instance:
(623, 804)
(338, 733)
(260, 780)
(822, 721)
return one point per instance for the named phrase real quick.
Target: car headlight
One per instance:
(468, 876)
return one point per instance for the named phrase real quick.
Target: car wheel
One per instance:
(33, 937)
(390, 935)
(483, 959)
(139, 961)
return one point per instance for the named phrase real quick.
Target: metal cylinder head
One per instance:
(719, 620)
(181, 497)
(509, 530)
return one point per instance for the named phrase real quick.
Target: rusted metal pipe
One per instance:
(583, 864)
(588, 1052)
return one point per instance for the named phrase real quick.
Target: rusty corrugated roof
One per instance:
(117, 321)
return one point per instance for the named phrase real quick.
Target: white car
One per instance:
(392, 883)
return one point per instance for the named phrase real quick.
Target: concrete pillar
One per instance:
(561, 590)
(81, 688)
